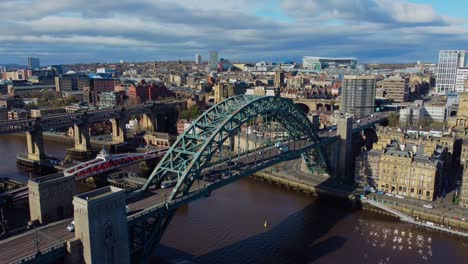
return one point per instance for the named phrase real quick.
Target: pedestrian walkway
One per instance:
(411, 220)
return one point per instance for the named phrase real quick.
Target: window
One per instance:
(420, 192)
(412, 190)
(400, 188)
(428, 193)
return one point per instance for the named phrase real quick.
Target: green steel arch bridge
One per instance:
(205, 157)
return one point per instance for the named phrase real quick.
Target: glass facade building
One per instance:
(449, 63)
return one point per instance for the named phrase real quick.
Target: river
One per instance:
(253, 222)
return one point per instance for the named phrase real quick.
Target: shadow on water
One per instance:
(300, 238)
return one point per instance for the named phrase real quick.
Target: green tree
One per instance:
(393, 119)
(190, 113)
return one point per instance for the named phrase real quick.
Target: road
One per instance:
(13, 248)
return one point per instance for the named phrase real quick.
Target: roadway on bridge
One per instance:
(23, 245)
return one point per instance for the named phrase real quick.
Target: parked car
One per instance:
(71, 226)
(430, 206)
(399, 196)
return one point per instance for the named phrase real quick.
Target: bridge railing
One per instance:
(50, 254)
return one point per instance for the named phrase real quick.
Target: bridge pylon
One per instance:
(148, 122)
(101, 225)
(35, 143)
(82, 150)
(118, 130)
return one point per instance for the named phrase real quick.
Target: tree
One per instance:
(190, 113)
(393, 119)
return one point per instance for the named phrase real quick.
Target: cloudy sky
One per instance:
(73, 31)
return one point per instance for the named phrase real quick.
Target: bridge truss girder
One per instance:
(193, 150)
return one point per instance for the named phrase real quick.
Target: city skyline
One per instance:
(107, 31)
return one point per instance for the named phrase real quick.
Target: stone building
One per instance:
(406, 165)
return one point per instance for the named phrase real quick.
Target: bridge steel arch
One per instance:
(193, 150)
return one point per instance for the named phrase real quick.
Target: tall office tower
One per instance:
(33, 63)
(198, 59)
(449, 63)
(213, 60)
(358, 95)
(279, 78)
(397, 88)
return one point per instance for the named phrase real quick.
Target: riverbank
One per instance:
(318, 187)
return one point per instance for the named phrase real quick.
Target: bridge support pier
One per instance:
(118, 130)
(74, 252)
(344, 129)
(50, 197)
(82, 150)
(35, 144)
(148, 123)
(101, 225)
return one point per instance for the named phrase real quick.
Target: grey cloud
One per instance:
(71, 31)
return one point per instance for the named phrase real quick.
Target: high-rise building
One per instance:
(213, 60)
(34, 63)
(198, 59)
(358, 95)
(279, 78)
(397, 88)
(449, 63)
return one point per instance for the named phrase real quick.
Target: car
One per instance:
(399, 196)
(390, 194)
(71, 226)
(167, 184)
(430, 206)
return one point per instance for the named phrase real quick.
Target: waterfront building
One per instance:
(320, 63)
(411, 170)
(366, 171)
(407, 163)
(449, 63)
(397, 88)
(358, 95)
(34, 63)
(464, 184)
(213, 60)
